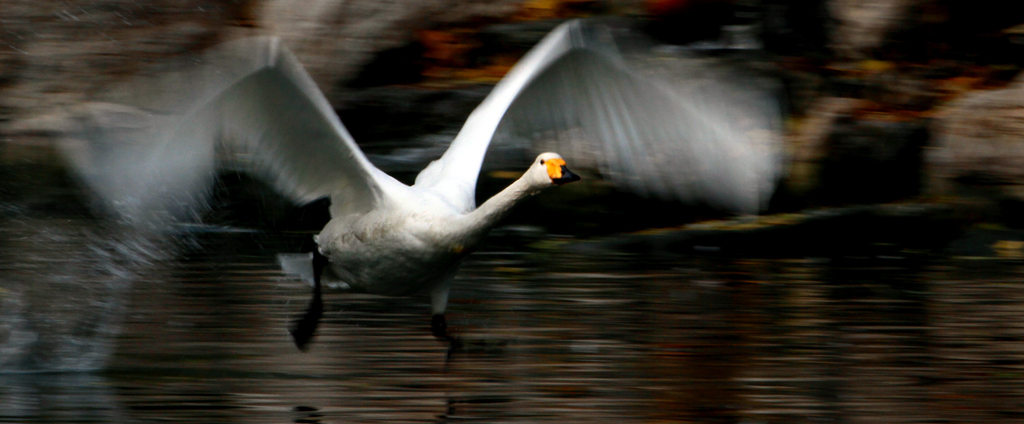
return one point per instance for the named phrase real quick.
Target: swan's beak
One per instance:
(559, 173)
(567, 177)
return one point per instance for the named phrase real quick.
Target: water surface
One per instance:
(551, 335)
(193, 327)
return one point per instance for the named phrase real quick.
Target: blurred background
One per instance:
(882, 284)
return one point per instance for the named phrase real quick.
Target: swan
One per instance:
(150, 153)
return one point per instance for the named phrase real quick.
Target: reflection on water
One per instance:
(64, 275)
(555, 335)
(63, 291)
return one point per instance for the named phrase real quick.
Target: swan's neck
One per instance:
(491, 212)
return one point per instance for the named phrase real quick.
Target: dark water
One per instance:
(193, 328)
(551, 335)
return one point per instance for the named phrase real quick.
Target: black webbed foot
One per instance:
(439, 328)
(305, 327)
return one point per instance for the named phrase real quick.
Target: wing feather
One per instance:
(689, 129)
(153, 148)
(454, 175)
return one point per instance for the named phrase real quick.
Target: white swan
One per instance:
(153, 151)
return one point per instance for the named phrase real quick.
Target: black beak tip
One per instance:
(567, 177)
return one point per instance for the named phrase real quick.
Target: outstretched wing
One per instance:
(678, 128)
(153, 148)
(454, 175)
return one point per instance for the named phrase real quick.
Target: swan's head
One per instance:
(549, 169)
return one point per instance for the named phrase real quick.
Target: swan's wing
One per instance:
(677, 128)
(154, 148)
(688, 129)
(454, 175)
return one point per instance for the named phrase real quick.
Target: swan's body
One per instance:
(152, 152)
(395, 251)
(416, 242)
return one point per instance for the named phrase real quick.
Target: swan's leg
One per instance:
(305, 327)
(438, 303)
(438, 325)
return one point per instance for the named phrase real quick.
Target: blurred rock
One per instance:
(976, 30)
(402, 113)
(861, 25)
(334, 39)
(60, 54)
(809, 142)
(516, 35)
(57, 53)
(795, 28)
(848, 151)
(686, 21)
(979, 142)
(867, 230)
(873, 159)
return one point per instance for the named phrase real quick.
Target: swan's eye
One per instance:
(542, 161)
